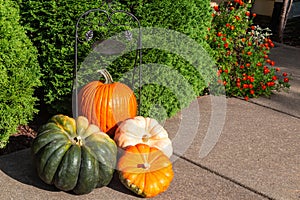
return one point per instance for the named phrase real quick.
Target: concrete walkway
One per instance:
(257, 155)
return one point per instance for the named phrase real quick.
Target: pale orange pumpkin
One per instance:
(145, 170)
(106, 104)
(143, 130)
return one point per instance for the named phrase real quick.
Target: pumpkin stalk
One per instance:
(145, 138)
(145, 166)
(78, 141)
(106, 75)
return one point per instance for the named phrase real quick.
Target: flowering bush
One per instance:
(241, 51)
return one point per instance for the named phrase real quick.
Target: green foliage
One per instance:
(51, 26)
(19, 72)
(160, 100)
(241, 51)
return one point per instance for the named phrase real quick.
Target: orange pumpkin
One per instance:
(106, 104)
(145, 170)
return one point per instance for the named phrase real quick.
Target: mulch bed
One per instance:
(21, 140)
(25, 135)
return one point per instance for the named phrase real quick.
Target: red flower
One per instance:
(274, 78)
(286, 80)
(232, 27)
(266, 70)
(272, 63)
(272, 83)
(216, 8)
(248, 13)
(258, 64)
(254, 14)
(237, 18)
(284, 74)
(266, 45)
(226, 45)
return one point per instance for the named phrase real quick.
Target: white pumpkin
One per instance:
(143, 130)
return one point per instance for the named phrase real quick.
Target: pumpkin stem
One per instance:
(78, 141)
(144, 166)
(106, 75)
(145, 138)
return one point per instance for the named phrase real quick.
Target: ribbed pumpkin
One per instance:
(106, 104)
(74, 155)
(144, 130)
(145, 170)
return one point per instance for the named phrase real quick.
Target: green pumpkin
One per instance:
(74, 155)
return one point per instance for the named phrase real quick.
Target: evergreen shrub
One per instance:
(19, 73)
(51, 26)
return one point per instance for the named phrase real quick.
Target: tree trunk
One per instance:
(286, 7)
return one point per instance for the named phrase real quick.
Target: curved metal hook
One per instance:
(90, 34)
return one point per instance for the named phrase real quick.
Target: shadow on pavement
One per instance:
(115, 184)
(19, 166)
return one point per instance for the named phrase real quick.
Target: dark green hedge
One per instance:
(19, 72)
(191, 18)
(51, 26)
